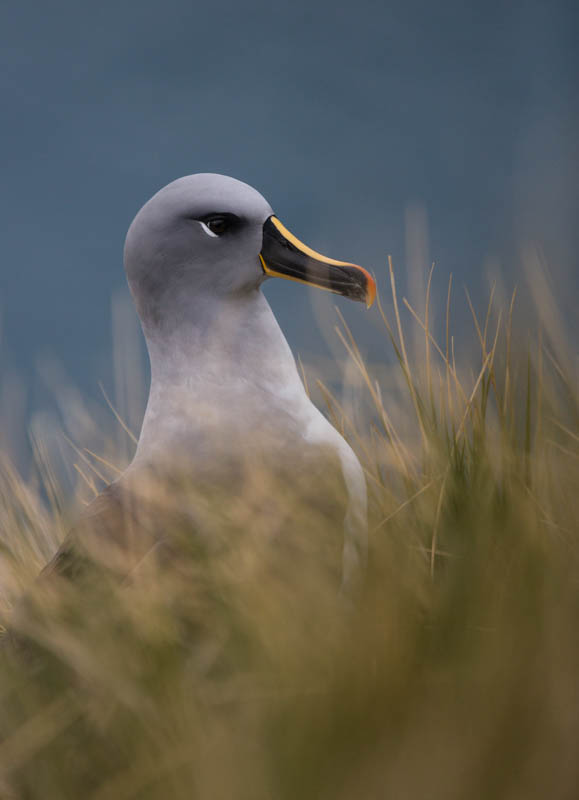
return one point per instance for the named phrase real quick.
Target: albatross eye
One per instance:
(217, 225)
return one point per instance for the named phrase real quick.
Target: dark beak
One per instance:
(284, 256)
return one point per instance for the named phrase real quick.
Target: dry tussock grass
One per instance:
(236, 669)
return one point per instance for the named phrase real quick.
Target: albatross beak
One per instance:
(284, 256)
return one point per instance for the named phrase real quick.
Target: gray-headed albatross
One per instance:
(224, 381)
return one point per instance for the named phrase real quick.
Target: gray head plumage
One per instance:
(171, 252)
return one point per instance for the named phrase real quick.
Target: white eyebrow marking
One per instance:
(207, 230)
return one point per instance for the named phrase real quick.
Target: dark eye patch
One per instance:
(220, 222)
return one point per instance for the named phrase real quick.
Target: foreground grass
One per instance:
(238, 670)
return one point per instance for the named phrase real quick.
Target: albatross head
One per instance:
(213, 236)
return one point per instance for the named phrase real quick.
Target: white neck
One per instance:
(219, 362)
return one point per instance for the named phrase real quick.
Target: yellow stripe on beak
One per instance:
(283, 255)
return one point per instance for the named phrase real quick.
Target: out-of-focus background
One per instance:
(439, 132)
(226, 664)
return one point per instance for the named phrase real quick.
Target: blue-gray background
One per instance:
(351, 118)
